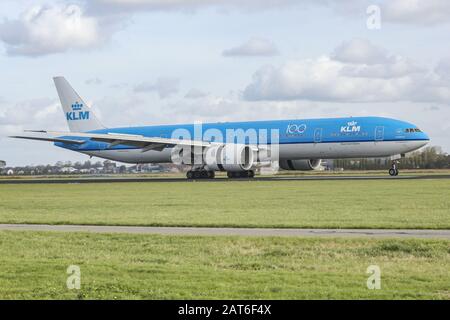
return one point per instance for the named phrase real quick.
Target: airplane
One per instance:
(297, 144)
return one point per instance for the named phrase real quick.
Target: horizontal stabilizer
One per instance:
(50, 139)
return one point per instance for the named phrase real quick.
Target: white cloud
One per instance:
(189, 5)
(397, 66)
(204, 108)
(418, 12)
(50, 29)
(42, 30)
(110, 109)
(413, 12)
(253, 47)
(195, 94)
(443, 68)
(31, 114)
(359, 77)
(360, 51)
(164, 86)
(217, 108)
(95, 81)
(427, 12)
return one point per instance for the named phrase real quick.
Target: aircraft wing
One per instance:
(146, 143)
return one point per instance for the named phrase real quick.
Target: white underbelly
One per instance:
(338, 150)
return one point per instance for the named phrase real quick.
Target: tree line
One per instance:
(427, 158)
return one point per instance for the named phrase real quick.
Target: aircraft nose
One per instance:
(425, 137)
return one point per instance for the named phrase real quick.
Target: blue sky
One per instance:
(154, 62)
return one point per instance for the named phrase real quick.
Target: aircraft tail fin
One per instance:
(79, 116)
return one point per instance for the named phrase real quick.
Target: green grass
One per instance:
(325, 204)
(33, 265)
(282, 173)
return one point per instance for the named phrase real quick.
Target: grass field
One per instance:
(223, 174)
(282, 173)
(33, 265)
(325, 204)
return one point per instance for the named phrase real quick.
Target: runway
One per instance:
(259, 178)
(262, 232)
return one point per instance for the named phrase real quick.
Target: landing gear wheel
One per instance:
(241, 174)
(393, 171)
(200, 174)
(204, 174)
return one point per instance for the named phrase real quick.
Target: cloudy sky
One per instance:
(173, 61)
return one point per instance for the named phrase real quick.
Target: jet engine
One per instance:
(229, 157)
(301, 165)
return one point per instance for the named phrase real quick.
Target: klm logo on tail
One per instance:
(77, 113)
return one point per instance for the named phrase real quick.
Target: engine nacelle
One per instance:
(229, 157)
(301, 165)
(184, 155)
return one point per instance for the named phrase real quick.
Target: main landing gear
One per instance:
(241, 174)
(205, 174)
(200, 174)
(393, 171)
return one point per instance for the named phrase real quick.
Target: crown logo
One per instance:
(352, 123)
(77, 106)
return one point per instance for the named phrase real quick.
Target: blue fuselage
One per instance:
(290, 132)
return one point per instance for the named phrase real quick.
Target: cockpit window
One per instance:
(412, 130)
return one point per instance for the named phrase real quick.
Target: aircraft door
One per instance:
(379, 133)
(318, 135)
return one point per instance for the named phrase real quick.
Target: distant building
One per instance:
(109, 167)
(2, 164)
(68, 170)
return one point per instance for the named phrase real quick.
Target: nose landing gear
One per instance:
(393, 171)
